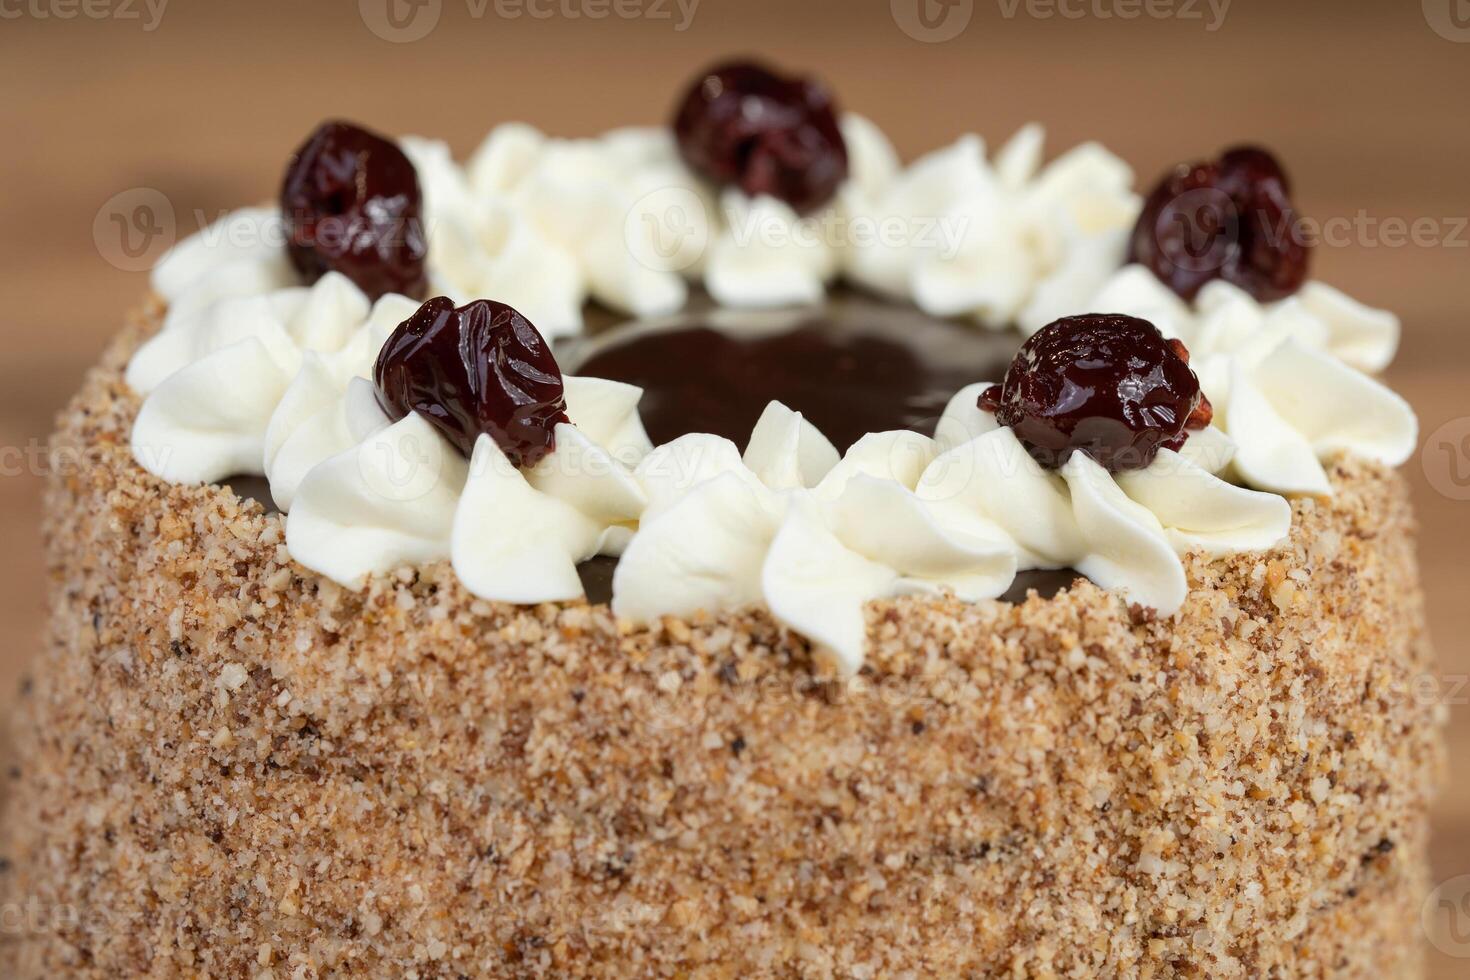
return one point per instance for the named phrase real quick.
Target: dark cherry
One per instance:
(1230, 219)
(481, 367)
(1248, 165)
(352, 205)
(1103, 383)
(741, 123)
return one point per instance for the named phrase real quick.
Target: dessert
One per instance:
(693, 645)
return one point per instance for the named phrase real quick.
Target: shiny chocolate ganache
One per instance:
(852, 365)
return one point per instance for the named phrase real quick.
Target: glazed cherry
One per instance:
(1105, 384)
(741, 123)
(1247, 165)
(472, 369)
(1228, 219)
(352, 204)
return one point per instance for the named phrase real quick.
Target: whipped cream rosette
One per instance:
(1226, 319)
(1286, 378)
(789, 525)
(765, 254)
(241, 254)
(404, 494)
(1125, 530)
(321, 413)
(213, 380)
(779, 156)
(583, 196)
(477, 245)
(999, 242)
(486, 246)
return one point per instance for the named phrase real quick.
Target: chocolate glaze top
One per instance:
(852, 366)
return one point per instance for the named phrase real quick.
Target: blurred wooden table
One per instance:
(1364, 101)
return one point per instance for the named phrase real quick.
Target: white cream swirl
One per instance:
(1225, 319)
(788, 523)
(765, 255)
(213, 380)
(402, 494)
(478, 246)
(1125, 531)
(578, 195)
(329, 405)
(1286, 379)
(791, 526)
(998, 242)
(241, 254)
(483, 246)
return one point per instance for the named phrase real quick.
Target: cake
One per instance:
(1104, 669)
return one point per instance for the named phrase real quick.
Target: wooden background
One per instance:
(1365, 102)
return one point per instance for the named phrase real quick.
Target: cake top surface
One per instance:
(382, 347)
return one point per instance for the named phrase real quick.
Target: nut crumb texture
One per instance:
(231, 767)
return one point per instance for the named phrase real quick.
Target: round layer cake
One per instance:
(1111, 668)
(236, 767)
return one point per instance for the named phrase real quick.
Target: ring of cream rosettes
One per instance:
(254, 374)
(546, 224)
